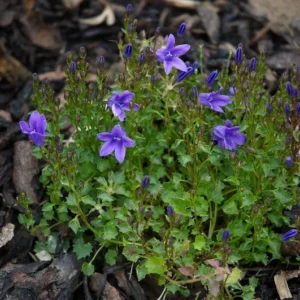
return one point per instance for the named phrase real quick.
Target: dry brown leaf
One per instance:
(107, 15)
(7, 233)
(12, 69)
(187, 271)
(41, 34)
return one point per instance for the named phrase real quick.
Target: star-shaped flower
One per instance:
(121, 102)
(214, 100)
(117, 141)
(169, 55)
(228, 137)
(36, 128)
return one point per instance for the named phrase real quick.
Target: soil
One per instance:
(35, 37)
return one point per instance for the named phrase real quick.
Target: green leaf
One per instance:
(110, 257)
(74, 224)
(235, 275)
(200, 242)
(82, 249)
(230, 207)
(141, 272)
(155, 265)
(283, 196)
(71, 201)
(184, 159)
(88, 269)
(110, 231)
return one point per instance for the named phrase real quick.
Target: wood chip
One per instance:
(282, 286)
(107, 15)
(7, 233)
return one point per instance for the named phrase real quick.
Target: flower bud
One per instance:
(252, 64)
(145, 181)
(289, 162)
(128, 51)
(290, 234)
(130, 27)
(82, 52)
(153, 78)
(181, 29)
(194, 92)
(170, 211)
(182, 91)
(211, 78)
(129, 9)
(269, 107)
(60, 148)
(298, 109)
(35, 77)
(141, 58)
(73, 67)
(101, 62)
(289, 89)
(239, 55)
(287, 109)
(225, 235)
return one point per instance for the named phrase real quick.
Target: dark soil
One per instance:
(35, 37)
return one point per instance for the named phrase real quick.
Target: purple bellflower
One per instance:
(214, 100)
(228, 137)
(128, 51)
(289, 89)
(289, 234)
(170, 211)
(190, 70)
(289, 161)
(121, 102)
(117, 141)
(181, 29)
(145, 181)
(239, 55)
(225, 235)
(211, 78)
(36, 128)
(169, 55)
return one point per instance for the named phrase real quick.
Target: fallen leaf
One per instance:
(7, 233)
(187, 271)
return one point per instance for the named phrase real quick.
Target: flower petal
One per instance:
(179, 64)
(24, 127)
(220, 131)
(122, 116)
(38, 122)
(170, 42)
(168, 66)
(215, 107)
(180, 50)
(120, 152)
(203, 98)
(107, 148)
(37, 139)
(136, 107)
(127, 142)
(126, 97)
(116, 109)
(118, 131)
(229, 144)
(104, 136)
(221, 100)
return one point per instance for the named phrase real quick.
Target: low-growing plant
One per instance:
(184, 175)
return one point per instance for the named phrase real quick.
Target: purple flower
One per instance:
(269, 107)
(289, 234)
(116, 140)
(227, 136)
(190, 70)
(36, 129)
(211, 78)
(214, 100)
(169, 55)
(181, 29)
(121, 102)
(289, 161)
(239, 55)
(232, 91)
(252, 64)
(289, 89)
(298, 109)
(170, 211)
(287, 109)
(225, 235)
(128, 51)
(73, 67)
(145, 181)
